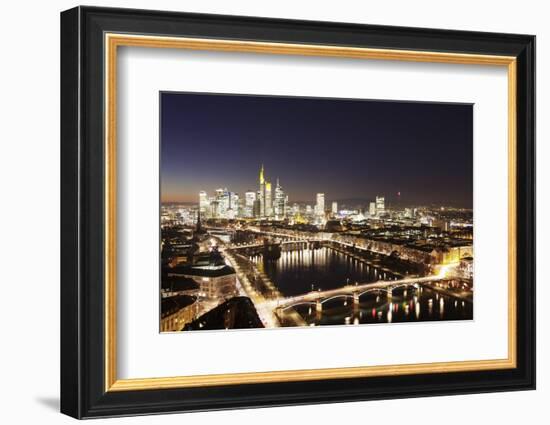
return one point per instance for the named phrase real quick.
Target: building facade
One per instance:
(380, 206)
(320, 205)
(176, 311)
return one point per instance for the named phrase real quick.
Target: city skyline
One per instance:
(399, 152)
(272, 202)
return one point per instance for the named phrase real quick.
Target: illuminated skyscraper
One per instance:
(261, 192)
(219, 204)
(320, 205)
(265, 196)
(380, 208)
(222, 204)
(204, 204)
(262, 178)
(334, 208)
(250, 198)
(233, 205)
(279, 202)
(214, 208)
(257, 206)
(372, 209)
(287, 208)
(268, 199)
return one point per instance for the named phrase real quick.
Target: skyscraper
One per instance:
(268, 199)
(372, 209)
(204, 203)
(334, 208)
(265, 196)
(261, 192)
(257, 206)
(320, 205)
(279, 203)
(224, 204)
(233, 205)
(250, 198)
(380, 208)
(217, 204)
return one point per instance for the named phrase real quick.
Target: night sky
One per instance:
(347, 149)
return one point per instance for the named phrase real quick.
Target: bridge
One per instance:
(284, 242)
(291, 236)
(306, 237)
(318, 298)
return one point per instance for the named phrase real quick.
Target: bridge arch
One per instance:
(336, 297)
(374, 290)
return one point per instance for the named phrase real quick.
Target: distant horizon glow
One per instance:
(417, 153)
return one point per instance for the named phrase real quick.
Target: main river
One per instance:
(299, 271)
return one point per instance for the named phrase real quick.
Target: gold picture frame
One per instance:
(114, 41)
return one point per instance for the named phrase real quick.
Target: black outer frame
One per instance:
(82, 212)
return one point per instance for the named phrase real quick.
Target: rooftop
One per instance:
(172, 305)
(235, 313)
(202, 271)
(178, 283)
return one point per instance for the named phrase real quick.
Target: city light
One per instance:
(237, 248)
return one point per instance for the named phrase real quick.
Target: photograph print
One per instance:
(281, 211)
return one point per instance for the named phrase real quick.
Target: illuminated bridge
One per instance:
(285, 242)
(352, 292)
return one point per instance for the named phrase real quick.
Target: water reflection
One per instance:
(296, 271)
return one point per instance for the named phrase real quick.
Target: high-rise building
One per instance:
(222, 203)
(231, 197)
(204, 203)
(261, 192)
(233, 205)
(279, 203)
(268, 199)
(372, 209)
(256, 211)
(265, 196)
(214, 208)
(380, 208)
(249, 200)
(287, 208)
(334, 208)
(320, 205)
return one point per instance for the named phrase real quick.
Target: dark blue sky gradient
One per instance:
(342, 147)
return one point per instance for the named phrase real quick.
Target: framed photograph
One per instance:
(261, 212)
